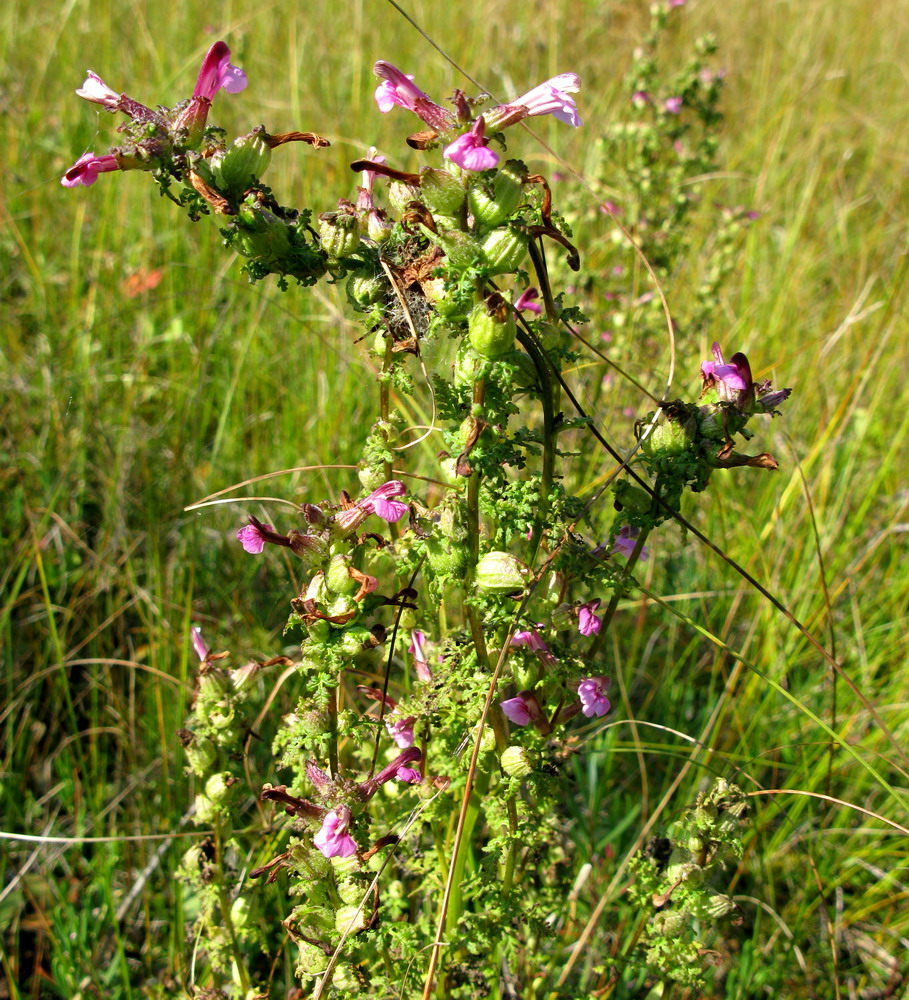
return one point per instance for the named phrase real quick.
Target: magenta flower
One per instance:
(592, 692)
(86, 169)
(217, 73)
(640, 98)
(421, 664)
(409, 775)
(588, 622)
(333, 840)
(201, 650)
(549, 98)
(471, 150)
(97, 91)
(626, 540)
(522, 709)
(673, 105)
(526, 300)
(398, 88)
(401, 731)
(732, 382)
(533, 640)
(252, 539)
(380, 502)
(412, 755)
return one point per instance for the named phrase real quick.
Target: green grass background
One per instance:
(116, 412)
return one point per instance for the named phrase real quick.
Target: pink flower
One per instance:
(533, 640)
(201, 650)
(673, 105)
(401, 731)
(522, 709)
(640, 98)
(588, 623)
(217, 73)
(401, 763)
(252, 539)
(409, 775)
(421, 664)
(732, 382)
(97, 91)
(625, 542)
(592, 693)
(333, 840)
(86, 169)
(380, 502)
(398, 88)
(526, 301)
(471, 150)
(549, 98)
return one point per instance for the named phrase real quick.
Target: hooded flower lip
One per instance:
(588, 622)
(217, 73)
(626, 540)
(380, 502)
(412, 755)
(548, 98)
(333, 840)
(534, 641)
(471, 150)
(401, 731)
(522, 709)
(527, 300)
(252, 539)
(732, 382)
(86, 169)
(417, 651)
(199, 646)
(592, 692)
(97, 91)
(398, 88)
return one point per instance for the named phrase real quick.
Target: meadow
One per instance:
(141, 373)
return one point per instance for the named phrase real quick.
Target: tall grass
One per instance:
(123, 400)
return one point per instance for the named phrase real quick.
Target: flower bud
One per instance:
(338, 578)
(339, 233)
(490, 208)
(631, 498)
(503, 250)
(400, 195)
(354, 640)
(350, 919)
(218, 787)
(518, 762)
(491, 327)
(501, 573)
(244, 162)
(261, 235)
(669, 437)
(470, 366)
(460, 249)
(364, 290)
(312, 549)
(442, 193)
(201, 753)
(240, 913)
